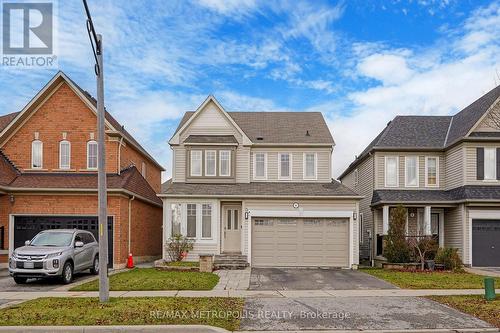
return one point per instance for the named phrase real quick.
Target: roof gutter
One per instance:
(259, 196)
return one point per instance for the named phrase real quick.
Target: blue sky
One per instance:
(360, 62)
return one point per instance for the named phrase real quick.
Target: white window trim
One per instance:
(255, 166)
(60, 155)
(206, 164)
(199, 220)
(220, 163)
(191, 173)
(360, 228)
(289, 166)
(417, 167)
(41, 155)
(426, 171)
(385, 171)
(304, 164)
(97, 163)
(494, 179)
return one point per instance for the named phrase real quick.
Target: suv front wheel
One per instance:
(67, 273)
(95, 265)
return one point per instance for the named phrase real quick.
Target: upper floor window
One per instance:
(411, 171)
(260, 165)
(310, 165)
(490, 164)
(391, 171)
(431, 171)
(36, 154)
(196, 162)
(225, 163)
(210, 163)
(92, 155)
(285, 166)
(143, 169)
(64, 154)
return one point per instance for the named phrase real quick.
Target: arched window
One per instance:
(36, 154)
(64, 154)
(92, 155)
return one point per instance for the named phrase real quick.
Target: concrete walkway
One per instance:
(233, 279)
(250, 293)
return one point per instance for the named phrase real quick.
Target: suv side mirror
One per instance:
(27, 243)
(78, 244)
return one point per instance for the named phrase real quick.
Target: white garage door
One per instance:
(300, 242)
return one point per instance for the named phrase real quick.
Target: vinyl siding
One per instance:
(179, 163)
(380, 170)
(454, 167)
(323, 164)
(243, 165)
(454, 228)
(471, 164)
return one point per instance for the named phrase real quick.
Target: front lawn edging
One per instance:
(181, 266)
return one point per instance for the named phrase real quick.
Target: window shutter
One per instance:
(498, 163)
(480, 163)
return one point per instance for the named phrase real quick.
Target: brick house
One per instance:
(48, 175)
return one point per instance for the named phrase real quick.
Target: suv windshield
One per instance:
(52, 239)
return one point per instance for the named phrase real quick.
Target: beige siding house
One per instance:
(445, 170)
(257, 187)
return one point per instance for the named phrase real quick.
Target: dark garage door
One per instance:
(486, 243)
(26, 227)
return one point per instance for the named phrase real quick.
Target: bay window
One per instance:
(176, 219)
(206, 220)
(225, 163)
(196, 162)
(285, 166)
(260, 161)
(210, 163)
(193, 220)
(411, 171)
(431, 171)
(391, 171)
(309, 165)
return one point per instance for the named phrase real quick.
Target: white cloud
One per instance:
(230, 7)
(387, 68)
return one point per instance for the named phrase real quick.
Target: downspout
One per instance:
(120, 155)
(130, 219)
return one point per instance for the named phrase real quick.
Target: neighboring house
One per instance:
(48, 175)
(258, 185)
(445, 170)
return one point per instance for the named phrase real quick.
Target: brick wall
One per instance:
(130, 156)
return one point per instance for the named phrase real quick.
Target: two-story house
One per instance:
(48, 175)
(445, 170)
(258, 185)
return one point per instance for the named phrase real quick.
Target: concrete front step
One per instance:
(230, 261)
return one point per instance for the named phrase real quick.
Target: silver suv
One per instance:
(55, 253)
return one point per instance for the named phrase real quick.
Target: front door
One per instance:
(232, 228)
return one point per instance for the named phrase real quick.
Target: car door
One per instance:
(80, 253)
(91, 246)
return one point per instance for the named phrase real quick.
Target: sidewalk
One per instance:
(251, 293)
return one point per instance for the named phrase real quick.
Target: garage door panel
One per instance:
(300, 242)
(485, 243)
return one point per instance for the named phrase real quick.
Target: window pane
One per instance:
(176, 219)
(411, 171)
(435, 224)
(92, 155)
(391, 171)
(310, 165)
(432, 171)
(229, 219)
(260, 165)
(225, 162)
(210, 163)
(235, 219)
(285, 165)
(490, 163)
(206, 222)
(65, 154)
(195, 163)
(191, 220)
(36, 154)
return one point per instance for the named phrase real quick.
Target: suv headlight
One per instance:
(53, 255)
(14, 255)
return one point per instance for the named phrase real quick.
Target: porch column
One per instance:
(385, 220)
(427, 221)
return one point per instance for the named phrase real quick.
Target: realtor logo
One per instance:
(28, 33)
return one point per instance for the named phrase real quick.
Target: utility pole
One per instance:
(96, 42)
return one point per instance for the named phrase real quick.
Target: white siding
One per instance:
(179, 164)
(243, 165)
(454, 167)
(453, 229)
(471, 164)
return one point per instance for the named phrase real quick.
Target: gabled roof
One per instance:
(430, 132)
(9, 121)
(279, 127)
(225, 139)
(8, 172)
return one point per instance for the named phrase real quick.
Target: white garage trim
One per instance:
(302, 213)
(479, 214)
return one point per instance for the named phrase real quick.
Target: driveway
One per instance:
(312, 279)
(7, 283)
(353, 313)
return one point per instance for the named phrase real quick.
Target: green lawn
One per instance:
(153, 279)
(124, 311)
(429, 280)
(475, 305)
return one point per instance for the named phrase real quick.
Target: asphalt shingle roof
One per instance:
(211, 139)
(258, 189)
(279, 127)
(6, 119)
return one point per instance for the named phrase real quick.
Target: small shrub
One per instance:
(396, 248)
(178, 247)
(424, 248)
(450, 258)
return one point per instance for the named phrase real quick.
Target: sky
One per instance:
(359, 62)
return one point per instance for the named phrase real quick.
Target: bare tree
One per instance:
(422, 246)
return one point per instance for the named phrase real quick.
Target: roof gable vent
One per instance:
(259, 138)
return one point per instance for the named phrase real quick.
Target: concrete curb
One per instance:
(437, 330)
(138, 328)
